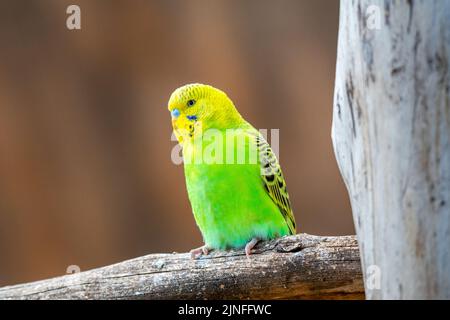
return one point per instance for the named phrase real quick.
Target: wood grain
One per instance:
(300, 266)
(391, 135)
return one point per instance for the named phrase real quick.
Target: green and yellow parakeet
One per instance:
(236, 201)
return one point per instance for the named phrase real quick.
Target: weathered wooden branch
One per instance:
(391, 134)
(300, 266)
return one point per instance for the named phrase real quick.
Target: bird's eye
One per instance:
(190, 103)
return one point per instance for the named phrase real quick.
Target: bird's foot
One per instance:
(249, 246)
(197, 252)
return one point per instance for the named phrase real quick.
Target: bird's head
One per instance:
(198, 107)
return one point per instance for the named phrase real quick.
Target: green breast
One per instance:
(229, 201)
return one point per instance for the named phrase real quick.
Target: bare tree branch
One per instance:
(300, 266)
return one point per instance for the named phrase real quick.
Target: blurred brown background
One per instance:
(85, 171)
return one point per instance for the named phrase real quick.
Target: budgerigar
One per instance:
(236, 201)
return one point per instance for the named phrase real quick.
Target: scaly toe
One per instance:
(249, 246)
(197, 252)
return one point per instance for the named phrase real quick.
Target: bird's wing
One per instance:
(273, 181)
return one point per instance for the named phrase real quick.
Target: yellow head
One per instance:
(195, 107)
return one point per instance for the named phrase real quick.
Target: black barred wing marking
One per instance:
(274, 182)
